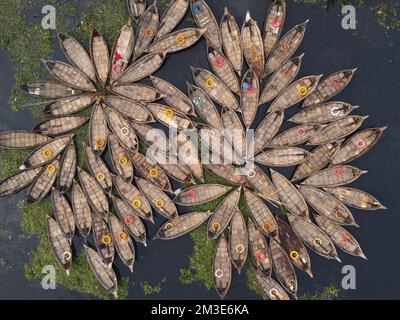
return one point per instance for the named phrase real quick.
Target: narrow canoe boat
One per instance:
(43, 182)
(100, 56)
(154, 137)
(261, 214)
(204, 18)
(356, 198)
(284, 269)
(231, 40)
(188, 153)
(59, 244)
(146, 30)
(104, 273)
(67, 170)
(49, 89)
(337, 130)
(157, 198)
(122, 241)
(131, 220)
(170, 117)
(327, 205)
(294, 247)
(259, 249)
(120, 159)
(60, 125)
(313, 237)
(130, 109)
(18, 181)
(285, 48)
(215, 88)
(238, 241)
(137, 91)
(69, 75)
(81, 210)
(199, 194)
(68, 106)
(171, 17)
(323, 113)
(134, 198)
(249, 93)
(259, 181)
(270, 287)
(291, 198)
(63, 213)
(342, 238)
(103, 240)
(295, 135)
(94, 193)
(223, 214)
(282, 157)
(21, 139)
(181, 225)
(330, 87)
(136, 8)
(98, 130)
(281, 79)
(253, 46)
(234, 133)
(222, 268)
(319, 158)
(99, 170)
(295, 93)
(77, 55)
(273, 25)
(357, 145)
(226, 172)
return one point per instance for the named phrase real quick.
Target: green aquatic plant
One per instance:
(151, 289)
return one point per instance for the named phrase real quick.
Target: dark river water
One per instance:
(328, 48)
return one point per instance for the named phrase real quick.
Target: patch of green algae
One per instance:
(148, 288)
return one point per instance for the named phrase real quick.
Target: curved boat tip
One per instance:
(309, 272)
(115, 294)
(130, 268)
(305, 23)
(363, 172)
(68, 272)
(355, 107)
(338, 259)
(226, 11)
(362, 255)
(248, 16)
(383, 128)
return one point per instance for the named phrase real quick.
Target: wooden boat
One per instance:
(68, 106)
(318, 158)
(69, 75)
(270, 287)
(259, 181)
(153, 137)
(235, 133)
(323, 113)
(261, 214)
(329, 87)
(130, 109)
(188, 154)
(289, 195)
(122, 130)
(67, 170)
(282, 157)
(98, 130)
(342, 238)
(215, 88)
(199, 194)
(93, 192)
(356, 198)
(63, 213)
(222, 268)
(170, 117)
(103, 240)
(49, 89)
(122, 241)
(122, 51)
(231, 40)
(327, 205)
(77, 55)
(222, 68)
(176, 41)
(181, 225)
(249, 93)
(295, 93)
(280, 79)
(259, 249)
(59, 244)
(134, 198)
(295, 135)
(136, 8)
(285, 48)
(226, 172)
(283, 267)
(253, 47)
(175, 98)
(100, 56)
(294, 247)
(81, 210)
(120, 159)
(19, 139)
(43, 182)
(99, 170)
(223, 214)
(337, 130)
(131, 220)
(146, 30)
(137, 91)
(60, 125)
(104, 273)
(157, 198)
(204, 106)
(18, 181)
(273, 25)
(313, 237)
(238, 241)
(171, 17)
(357, 145)
(204, 18)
